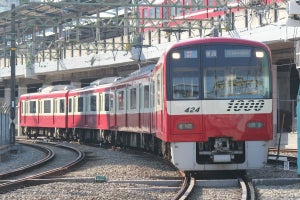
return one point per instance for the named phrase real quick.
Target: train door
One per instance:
(139, 107)
(112, 108)
(86, 109)
(153, 120)
(99, 108)
(54, 110)
(145, 116)
(23, 112)
(158, 104)
(121, 107)
(70, 112)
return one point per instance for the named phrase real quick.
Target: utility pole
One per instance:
(12, 128)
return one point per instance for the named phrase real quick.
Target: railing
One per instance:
(286, 115)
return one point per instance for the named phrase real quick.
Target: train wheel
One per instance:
(157, 147)
(166, 150)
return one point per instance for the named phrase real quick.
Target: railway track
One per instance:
(123, 185)
(282, 156)
(52, 164)
(49, 155)
(237, 187)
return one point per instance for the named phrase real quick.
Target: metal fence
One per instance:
(287, 116)
(4, 124)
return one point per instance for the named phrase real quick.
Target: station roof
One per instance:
(52, 13)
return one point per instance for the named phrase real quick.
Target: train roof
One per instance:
(54, 88)
(104, 81)
(209, 40)
(145, 70)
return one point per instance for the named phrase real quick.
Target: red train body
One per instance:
(206, 105)
(173, 13)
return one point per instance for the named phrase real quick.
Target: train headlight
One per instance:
(176, 55)
(259, 54)
(255, 124)
(185, 126)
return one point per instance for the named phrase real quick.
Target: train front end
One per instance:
(219, 104)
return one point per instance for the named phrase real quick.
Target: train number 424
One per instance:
(192, 109)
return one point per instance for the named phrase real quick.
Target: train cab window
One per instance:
(47, 106)
(32, 107)
(93, 103)
(133, 101)
(80, 104)
(61, 106)
(70, 105)
(106, 102)
(185, 74)
(236, 71)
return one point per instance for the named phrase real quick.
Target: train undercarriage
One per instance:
(220, 150)
(215, 154)
(102, 137)
(216, 150)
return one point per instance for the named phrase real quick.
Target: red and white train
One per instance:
(205, 105)
(173, 13)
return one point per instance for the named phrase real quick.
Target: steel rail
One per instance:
(26, 180)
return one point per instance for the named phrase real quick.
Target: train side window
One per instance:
(187, 10)
(61, 105)
(173, 11)
(152, 13)
(106, 102)
(197, 5)
(133, 98)
(146, 96)
(93, 103)
(80, 104)
(157, 13)
(165, 13)
(121, 100)
(32, 107)
(211, 2)
(23, 107)
(145, 13)
(70, 105)
(158, 89)
(111, 101)
(55, 105)
(47, 106)
(40, 105)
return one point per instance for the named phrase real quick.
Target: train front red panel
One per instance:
(206, 119)
(215, 126)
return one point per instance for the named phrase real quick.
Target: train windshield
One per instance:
(219, 72)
